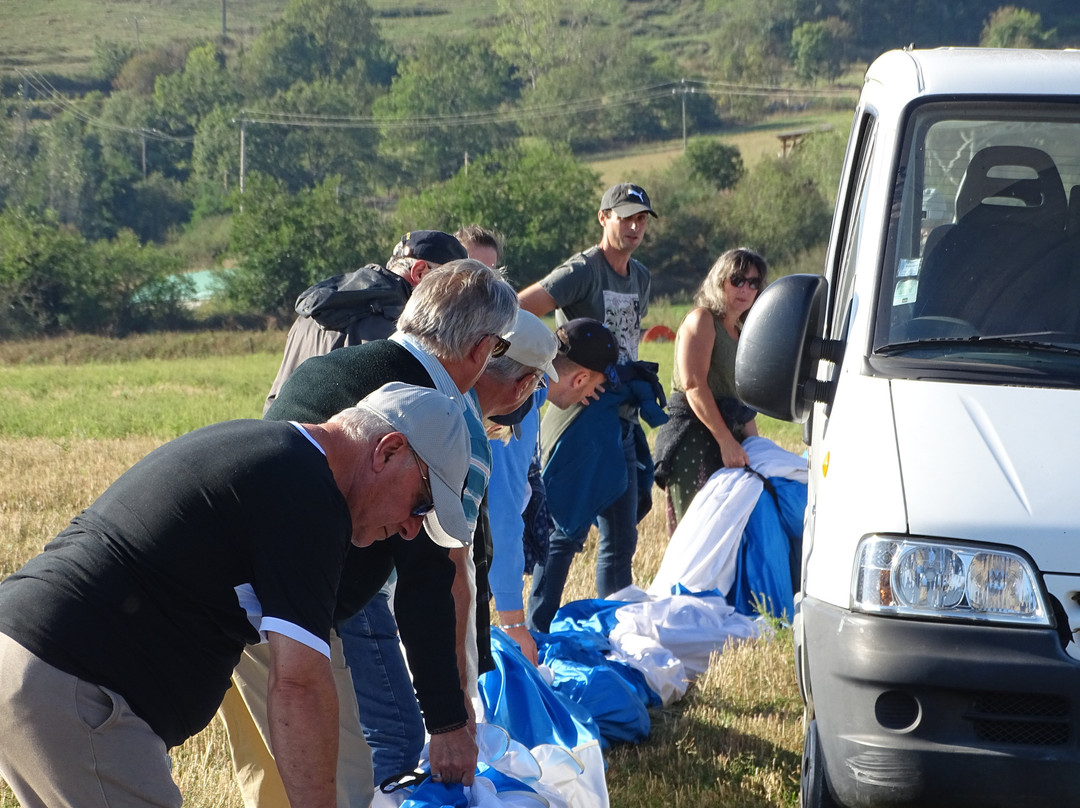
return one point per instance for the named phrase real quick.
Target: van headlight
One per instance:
(933, 579)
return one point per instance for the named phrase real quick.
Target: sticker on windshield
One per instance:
(909, 267)
(906, 291)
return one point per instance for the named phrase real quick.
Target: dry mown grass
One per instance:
(732, 741)
(83, 348)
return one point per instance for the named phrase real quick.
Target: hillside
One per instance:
(57, 37)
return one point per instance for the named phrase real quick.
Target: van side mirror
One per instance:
(780, 347)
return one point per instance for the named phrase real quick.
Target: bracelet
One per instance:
(514, 625)
(451, 728)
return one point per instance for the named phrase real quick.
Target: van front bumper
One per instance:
(920, 713)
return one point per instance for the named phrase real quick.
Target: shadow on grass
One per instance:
(705, 761)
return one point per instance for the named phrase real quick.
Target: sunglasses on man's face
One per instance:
(539, 378)
(424, 508)
(738, 280)
(501, 347)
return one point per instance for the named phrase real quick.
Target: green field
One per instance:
(57, 36)
(162, 385)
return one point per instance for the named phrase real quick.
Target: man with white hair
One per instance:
(118, 641)
(448, 331)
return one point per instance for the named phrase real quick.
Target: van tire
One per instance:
(813, 783)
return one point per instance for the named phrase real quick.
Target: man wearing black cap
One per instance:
(364, 304)
(586, 361)
(603, 283)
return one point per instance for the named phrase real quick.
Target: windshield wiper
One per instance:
(988, 342)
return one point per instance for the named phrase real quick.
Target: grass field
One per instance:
(754, 143)
(734, 740)
(57, 36)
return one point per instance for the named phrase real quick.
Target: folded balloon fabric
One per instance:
(606, 662)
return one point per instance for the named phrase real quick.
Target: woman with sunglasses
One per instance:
(708, 422)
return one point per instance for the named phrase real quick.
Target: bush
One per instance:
(286, 242)
(692, 229)
(52, 279)
(538, 194)
(714, 161)
(779, 211)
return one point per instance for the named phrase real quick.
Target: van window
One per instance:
(854, 224)
(982, 264)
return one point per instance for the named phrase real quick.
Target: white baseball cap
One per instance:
(436, 431)
(532, 343)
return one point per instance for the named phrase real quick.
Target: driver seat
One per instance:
(1011, 211)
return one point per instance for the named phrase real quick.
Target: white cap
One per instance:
(436, 431)
(532, 343)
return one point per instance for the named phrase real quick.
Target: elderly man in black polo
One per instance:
(118, 641)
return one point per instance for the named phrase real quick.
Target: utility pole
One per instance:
(243, 129)
(684, 89)
(25, 104)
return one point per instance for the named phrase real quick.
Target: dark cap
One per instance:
(433, 246)
(590, 344)
(626, 199)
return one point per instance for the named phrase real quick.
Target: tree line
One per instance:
(342, 142)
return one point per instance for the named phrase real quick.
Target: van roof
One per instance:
(975, 71)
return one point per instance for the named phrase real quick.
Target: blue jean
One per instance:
(617, 526)
(389, 713)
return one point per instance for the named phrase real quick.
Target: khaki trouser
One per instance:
(66, 741)
(244, 714)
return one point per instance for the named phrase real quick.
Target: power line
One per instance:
(49, 93)
(507, 115)
(519, 114)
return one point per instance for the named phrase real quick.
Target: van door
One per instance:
(853, 455)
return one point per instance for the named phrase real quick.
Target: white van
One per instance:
(936, 366)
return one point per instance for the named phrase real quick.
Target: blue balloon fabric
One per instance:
(518, 699)
(769, 555)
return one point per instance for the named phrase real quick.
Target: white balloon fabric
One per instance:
(703, 552)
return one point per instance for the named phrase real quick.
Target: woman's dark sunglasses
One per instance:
(738, 280)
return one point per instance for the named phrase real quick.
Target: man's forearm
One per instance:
(463, 598)
(302, 709)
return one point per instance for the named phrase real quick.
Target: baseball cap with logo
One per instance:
(626, 199)
(532, 343)
(590, 344)
(433, 246)
(436, 431)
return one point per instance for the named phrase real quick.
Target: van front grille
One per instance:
(1026, 719)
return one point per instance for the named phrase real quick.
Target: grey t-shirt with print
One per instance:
(588, 286)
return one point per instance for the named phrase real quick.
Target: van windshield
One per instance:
(982, 263)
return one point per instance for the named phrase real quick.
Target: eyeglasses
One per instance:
(738, 280)
(424, 508)
(501, 346)
(539, 377)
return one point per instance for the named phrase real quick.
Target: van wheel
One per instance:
(814, 790)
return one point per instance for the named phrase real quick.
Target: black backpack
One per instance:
(343, 302)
